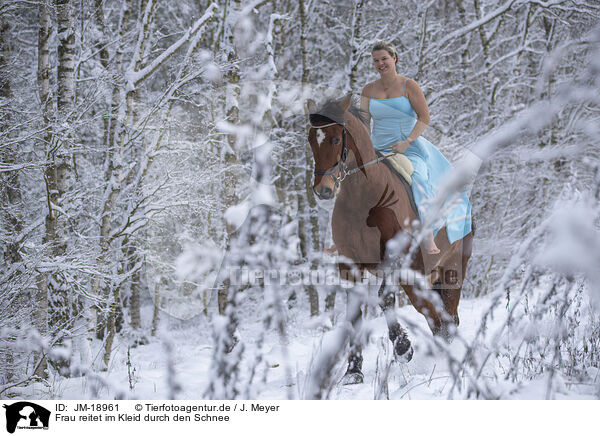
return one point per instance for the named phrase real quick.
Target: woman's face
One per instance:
(384, 62)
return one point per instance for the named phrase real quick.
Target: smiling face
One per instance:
(384, 62)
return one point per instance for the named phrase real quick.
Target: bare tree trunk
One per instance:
(130, 271)
(231, 102)
(355, 43)
(111, 293)
(58, 175)
(305, 249)
(97, 326)
(10, 190)
(135, 319)
(232, 92)
(113, 165)
(66, 59)
(303, 42)
(43, 78)
(156, 298)
(308, 243)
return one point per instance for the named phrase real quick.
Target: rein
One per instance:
(341, 163)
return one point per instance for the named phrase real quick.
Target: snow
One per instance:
(236, 215)
(427, 376)
(576, 241)
(212, 72)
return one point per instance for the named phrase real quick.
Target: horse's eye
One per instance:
(335, 141)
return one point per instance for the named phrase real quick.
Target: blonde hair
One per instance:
(383, 45)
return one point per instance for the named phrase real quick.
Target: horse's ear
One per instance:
(311, 106)
(345, 103)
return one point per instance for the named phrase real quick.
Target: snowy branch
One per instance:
(135, 77)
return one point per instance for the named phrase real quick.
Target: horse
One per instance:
(371, 207)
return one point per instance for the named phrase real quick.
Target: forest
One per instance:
(159, 234)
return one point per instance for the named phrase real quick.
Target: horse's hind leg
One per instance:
(449, 285)
(402, 347)
(425, 307)
(449, 291)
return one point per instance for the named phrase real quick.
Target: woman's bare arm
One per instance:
(419, 104)
(364, 103)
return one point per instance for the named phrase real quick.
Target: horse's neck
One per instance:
(369, 182)
(366, 152)
(361, 146)
(362, 152)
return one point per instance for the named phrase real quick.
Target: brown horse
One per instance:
(372, 206)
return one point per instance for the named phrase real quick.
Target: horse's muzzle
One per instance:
(324, 193)
(325, 198)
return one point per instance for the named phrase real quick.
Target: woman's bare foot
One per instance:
(330, 250)
(429, 245)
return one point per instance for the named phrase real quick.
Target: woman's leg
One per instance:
(422, 191)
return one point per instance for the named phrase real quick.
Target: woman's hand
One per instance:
(401, 146)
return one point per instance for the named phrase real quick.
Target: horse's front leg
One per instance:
(403, 350)
(354, 315)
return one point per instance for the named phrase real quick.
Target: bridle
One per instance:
(341, 163)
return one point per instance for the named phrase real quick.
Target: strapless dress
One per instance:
(393, 120)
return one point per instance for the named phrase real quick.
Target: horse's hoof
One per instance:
(352, 378)
(447, 331)
(403, 350)
(406, 357)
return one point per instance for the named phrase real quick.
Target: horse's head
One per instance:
(328, 140)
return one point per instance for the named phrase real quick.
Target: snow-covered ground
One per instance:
(427, 376)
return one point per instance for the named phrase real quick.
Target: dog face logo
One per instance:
(26, 415)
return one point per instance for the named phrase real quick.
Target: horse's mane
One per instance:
(331, 111)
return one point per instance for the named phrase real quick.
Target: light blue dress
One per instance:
(394, 119)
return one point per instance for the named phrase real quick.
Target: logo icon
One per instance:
(26, 415)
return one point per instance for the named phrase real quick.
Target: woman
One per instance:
(400, 114)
